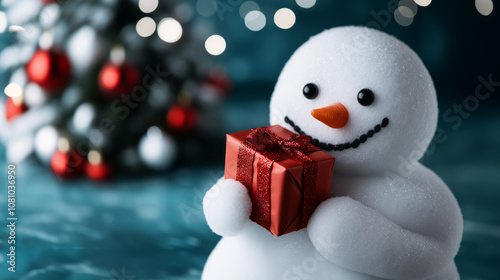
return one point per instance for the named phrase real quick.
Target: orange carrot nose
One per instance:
(335, 116)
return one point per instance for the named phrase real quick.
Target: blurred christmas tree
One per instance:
(105, 85)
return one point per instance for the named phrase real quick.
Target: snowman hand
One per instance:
(227, 207)
(356, 237)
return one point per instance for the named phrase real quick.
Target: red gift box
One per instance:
(286, 176)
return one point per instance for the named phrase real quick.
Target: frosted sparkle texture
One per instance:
(389, 217)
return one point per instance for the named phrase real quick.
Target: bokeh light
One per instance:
(484, 7)
(13, 90)
(306, 4)
(255, 20)
(83, 117)
(215, 45)
(247, 7)
(34, 95)
(145, 27)
(94, 157)
(46, 40)
(16, 28)
(410, 4)
(405, 11)
(3, 22)
(46, 142)
(63, 145)
(403, 16)
(148, 6)
(169, 30)
(423, 3)
(154, 132)
(111, 77)
(50, 14)
(117, 54)
(284, 18)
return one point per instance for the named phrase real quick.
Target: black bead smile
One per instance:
(340, 147)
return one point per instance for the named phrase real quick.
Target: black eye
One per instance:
(366, 97)
(310, 91)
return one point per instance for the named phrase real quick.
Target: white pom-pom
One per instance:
(227, 207)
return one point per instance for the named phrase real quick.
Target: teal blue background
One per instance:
(153, 227)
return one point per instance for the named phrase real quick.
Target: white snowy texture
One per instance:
(343, 61)
(389, 216)
(227, 207)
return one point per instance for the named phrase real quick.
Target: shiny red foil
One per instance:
(287, 177)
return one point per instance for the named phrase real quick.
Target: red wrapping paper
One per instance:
(286, 176)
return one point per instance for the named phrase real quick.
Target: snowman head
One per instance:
(362, 95)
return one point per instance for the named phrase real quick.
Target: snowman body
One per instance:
(367, 99)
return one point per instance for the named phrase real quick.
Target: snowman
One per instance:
(367, 99)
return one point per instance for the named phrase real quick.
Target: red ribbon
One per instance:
(274, 148)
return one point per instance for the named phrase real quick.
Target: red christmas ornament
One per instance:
(96, 169)
(182, 118)
(12, 110)
(67, 165)
(220, 81)
(117, 79)
(50, 69)
(99, 172)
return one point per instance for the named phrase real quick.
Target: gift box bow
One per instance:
(275, 148)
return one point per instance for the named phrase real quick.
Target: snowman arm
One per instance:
(227, 207)
(358, 238)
